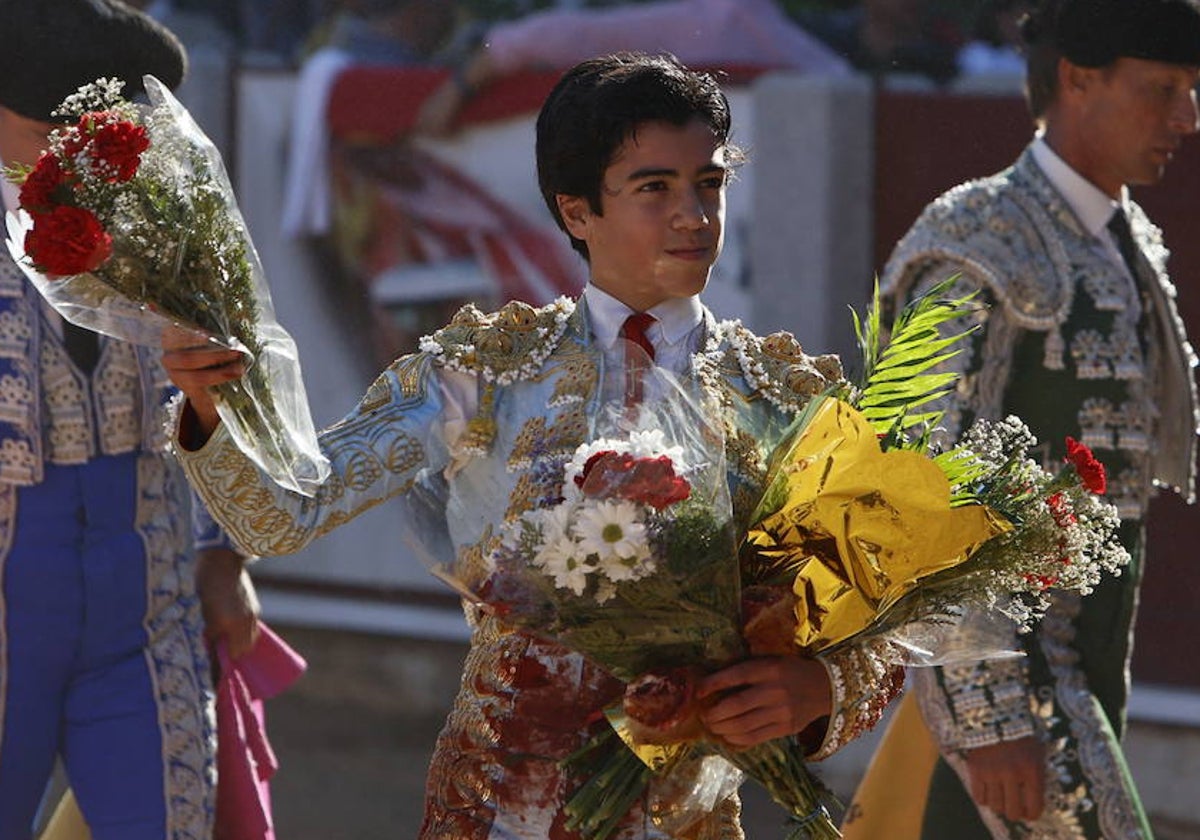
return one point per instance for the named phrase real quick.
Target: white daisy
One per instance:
(564, 561)
(610, 530)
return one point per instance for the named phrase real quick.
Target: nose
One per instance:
(1186, 117)
(692, 213)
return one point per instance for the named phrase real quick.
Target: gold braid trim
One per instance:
(863, 682)
(499, 348)
(778, 369)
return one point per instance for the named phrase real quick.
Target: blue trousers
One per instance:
(85, 627)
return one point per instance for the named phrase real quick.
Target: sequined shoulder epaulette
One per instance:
(1011, 231)
(777, 368)
(501, 347)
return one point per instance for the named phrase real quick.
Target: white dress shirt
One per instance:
(675, 335)
(1091, 205)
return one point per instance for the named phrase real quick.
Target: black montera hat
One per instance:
(1095, 33)
(53, 47)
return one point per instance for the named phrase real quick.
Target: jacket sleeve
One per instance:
(863, 679)
(376, 452)
(976, 704)
(206, 533)
(973, 704)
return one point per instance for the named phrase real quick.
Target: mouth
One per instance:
(694, 254)
(1167, 153)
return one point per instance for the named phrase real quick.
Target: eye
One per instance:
(653, 186)
(714, 182)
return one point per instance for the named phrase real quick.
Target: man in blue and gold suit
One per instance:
(102, 649)
(1081, 338)
(633, 160)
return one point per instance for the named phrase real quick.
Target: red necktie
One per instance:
(636, 363)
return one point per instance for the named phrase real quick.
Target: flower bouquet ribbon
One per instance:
(128, 226)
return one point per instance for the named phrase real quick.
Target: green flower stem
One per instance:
(780, 768)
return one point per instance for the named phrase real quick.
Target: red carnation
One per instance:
(647, 481)
(654, 482)
(603, 472)
(117, 149)
(67, 241)
(37, 191)
(662, 706)
(1091, 471)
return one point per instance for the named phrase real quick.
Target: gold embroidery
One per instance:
(864, 682)
(531, 486)
(577, 374)
(403, 454)
(179, 672)
(569, 430)
(527, 442)
(504, 346)
(69, 433)
(409, 372)
(117, 384)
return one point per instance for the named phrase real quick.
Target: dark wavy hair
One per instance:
(600, 103)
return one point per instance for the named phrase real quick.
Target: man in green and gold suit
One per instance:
(634, 158)
(1080, 338)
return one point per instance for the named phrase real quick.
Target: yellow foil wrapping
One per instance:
(655, 756)
(863, 526)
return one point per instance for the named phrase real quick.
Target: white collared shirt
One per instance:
(1091, 205)
(675, 335)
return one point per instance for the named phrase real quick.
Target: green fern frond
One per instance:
(897, 374)
(964, 472)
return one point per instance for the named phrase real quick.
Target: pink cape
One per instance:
(245, 761)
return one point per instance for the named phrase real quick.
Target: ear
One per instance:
(1073, 79)
(575, 213)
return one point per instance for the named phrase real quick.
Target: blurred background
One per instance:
(383, 155)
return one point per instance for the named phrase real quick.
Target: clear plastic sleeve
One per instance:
(204, 275)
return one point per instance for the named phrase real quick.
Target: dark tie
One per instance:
(1118, 225)
(636, 362)
(83, 346)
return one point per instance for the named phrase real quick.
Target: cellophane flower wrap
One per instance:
(943, 549)
(128, 226)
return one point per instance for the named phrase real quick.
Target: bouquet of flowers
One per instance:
(631, 564)
(866, 532)
(128, 226)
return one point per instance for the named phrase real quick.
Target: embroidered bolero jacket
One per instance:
(522, 701)
(50, 412)
(1062, 319)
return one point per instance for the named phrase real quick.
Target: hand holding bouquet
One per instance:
(128, 226)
